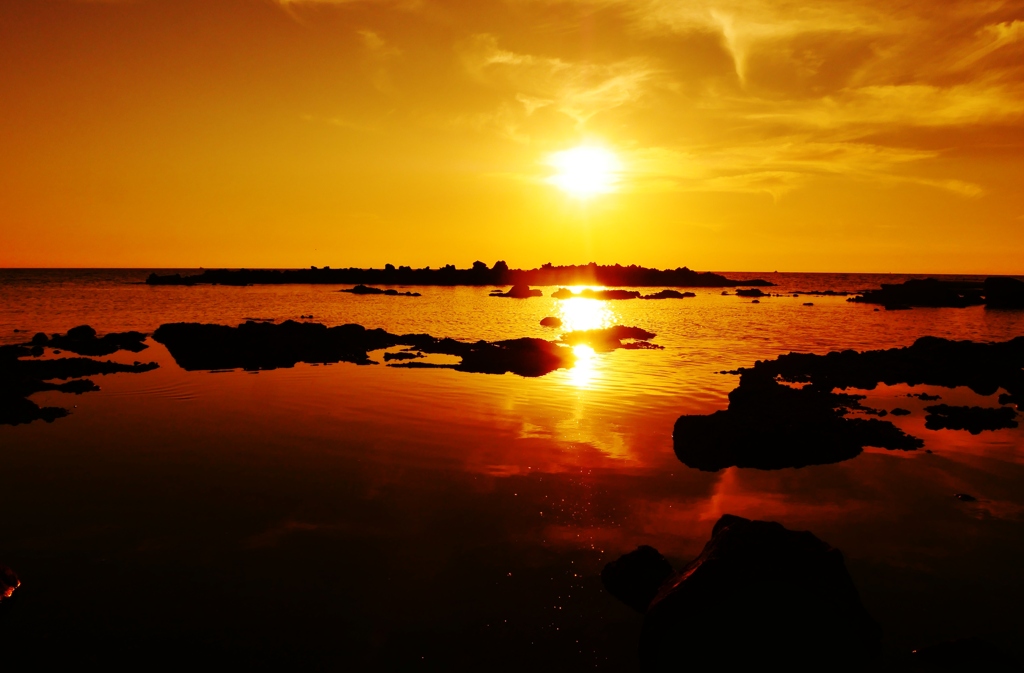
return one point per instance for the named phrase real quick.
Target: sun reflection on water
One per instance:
(582, 314)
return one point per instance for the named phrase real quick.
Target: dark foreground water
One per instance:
(368, 518)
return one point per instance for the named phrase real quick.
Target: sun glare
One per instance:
(585, 171)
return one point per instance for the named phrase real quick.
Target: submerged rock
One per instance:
(973, 419)
(759, 597)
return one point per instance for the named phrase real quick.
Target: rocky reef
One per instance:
(518, 292)
(23, 372)
(758, 597)
(478, 274)
(772, 425)
(260, 345)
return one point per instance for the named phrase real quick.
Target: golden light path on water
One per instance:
(584, 314)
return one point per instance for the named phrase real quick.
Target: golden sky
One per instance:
(877, 135)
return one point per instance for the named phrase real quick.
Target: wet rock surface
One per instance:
(363, 289)
(759, 595)
(769, 425)
(22, 374)
(972, 419)
(9, 583)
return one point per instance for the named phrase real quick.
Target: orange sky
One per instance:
(750, 134)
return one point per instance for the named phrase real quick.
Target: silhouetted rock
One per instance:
(9, 582)
(1003, 292)
(519, 292)
(972, 419)
(40, 339)
(603, 295)
(759, 597)
(808, 303)
(753, 292)
(967, 654)
(669, 294)
(255, 346)
(82, 340)
(479, 274)
(363, 289)
(550, 322)
(965, 497)
(769, 425)
(821, 293)
(899, 411)
(608, 338)
(928, 292)
(403, 355)
(926, 397)
(637, 576)
(21, 377)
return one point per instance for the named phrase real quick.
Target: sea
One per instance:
(366, 517)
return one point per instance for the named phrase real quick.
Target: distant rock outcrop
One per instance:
(363, 289)
(479, 274)
(610, 295)
(759, 597)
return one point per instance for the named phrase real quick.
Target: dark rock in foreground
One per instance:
(9, 583)
(363, 289)
(769, 425)
(479, 274)
(967, 654)
(928, 292)
(759, 597)
(550, 322)
(973, 419)
(518, 292)
(636, 577)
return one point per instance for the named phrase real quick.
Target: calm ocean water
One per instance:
(436, 520)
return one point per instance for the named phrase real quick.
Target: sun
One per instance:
(585, 170)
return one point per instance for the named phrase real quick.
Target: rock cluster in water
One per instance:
(363, 289)
(518, 292)
(758, 597)
(23, 372)
(996, 292)
(771, 425)
(611, 295)
(256, 345)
